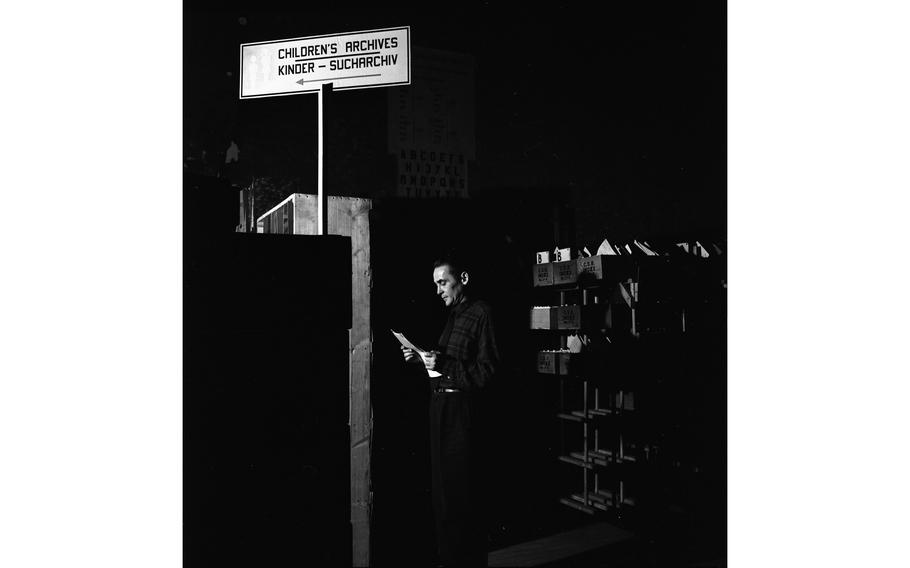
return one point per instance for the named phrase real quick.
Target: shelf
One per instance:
(602, 412)
(603, 496)
(576, 461)
(578, 506)
(608, 455)
(586, 285)
(592, 458)
(598, 458)
(579, 415)
(602, 500)
(572, 416)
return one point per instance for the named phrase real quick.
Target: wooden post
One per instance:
(350, 217)
(325, 95)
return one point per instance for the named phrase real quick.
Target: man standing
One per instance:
(466, 359)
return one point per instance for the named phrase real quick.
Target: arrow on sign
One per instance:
(302, 81)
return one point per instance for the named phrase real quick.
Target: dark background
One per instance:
(621, 110)
(589, 123)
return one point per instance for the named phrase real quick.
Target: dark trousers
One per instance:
(460, 528)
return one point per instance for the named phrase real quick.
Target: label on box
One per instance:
(568, 317)
(593, 265)
(543, 257)
(563, 255)
(546, 363)
(543, 274)
(565, 272)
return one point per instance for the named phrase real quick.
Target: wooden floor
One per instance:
(560, 549)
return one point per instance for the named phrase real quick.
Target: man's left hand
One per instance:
(430, 360)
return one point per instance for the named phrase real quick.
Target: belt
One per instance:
(446, 390)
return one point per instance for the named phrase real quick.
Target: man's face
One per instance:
(448, 287)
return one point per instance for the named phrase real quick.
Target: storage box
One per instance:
(565, 272)
(546, 362)
(565, 363)
(568, 317)
(602, 266)
(593, 265)
(543, 318)
(543, 274)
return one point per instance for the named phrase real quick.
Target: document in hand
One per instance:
(422, 352)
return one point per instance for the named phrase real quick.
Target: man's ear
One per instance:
(464, 278)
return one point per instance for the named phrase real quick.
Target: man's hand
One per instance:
(409, 354)
(429, 360)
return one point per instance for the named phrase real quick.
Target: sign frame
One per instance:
(317, 83)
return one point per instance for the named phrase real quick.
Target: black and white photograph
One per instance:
(454, 285)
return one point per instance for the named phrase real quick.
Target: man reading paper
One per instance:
(466, 360)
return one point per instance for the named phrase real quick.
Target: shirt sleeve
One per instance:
(472, 374)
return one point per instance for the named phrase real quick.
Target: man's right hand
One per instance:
(409, 354)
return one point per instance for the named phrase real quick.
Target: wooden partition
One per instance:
(350, 217)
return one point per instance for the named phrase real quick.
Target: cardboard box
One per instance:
(604, 266)
(565, 363)
(546, 362)
(565, 272)
(543, 274)
(543, 318)
(593, 265)
(568, 317)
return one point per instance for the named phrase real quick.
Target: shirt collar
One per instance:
(461, 306)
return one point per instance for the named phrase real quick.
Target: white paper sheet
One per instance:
(422, 352)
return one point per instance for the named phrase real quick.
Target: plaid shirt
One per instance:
(468, 354)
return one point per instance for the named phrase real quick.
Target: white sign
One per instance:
(353, 60)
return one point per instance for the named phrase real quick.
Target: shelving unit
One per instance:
(590, 297)
(628, 309)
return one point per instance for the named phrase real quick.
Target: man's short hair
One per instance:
(454, 260)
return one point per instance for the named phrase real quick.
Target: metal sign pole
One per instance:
(322, 205)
